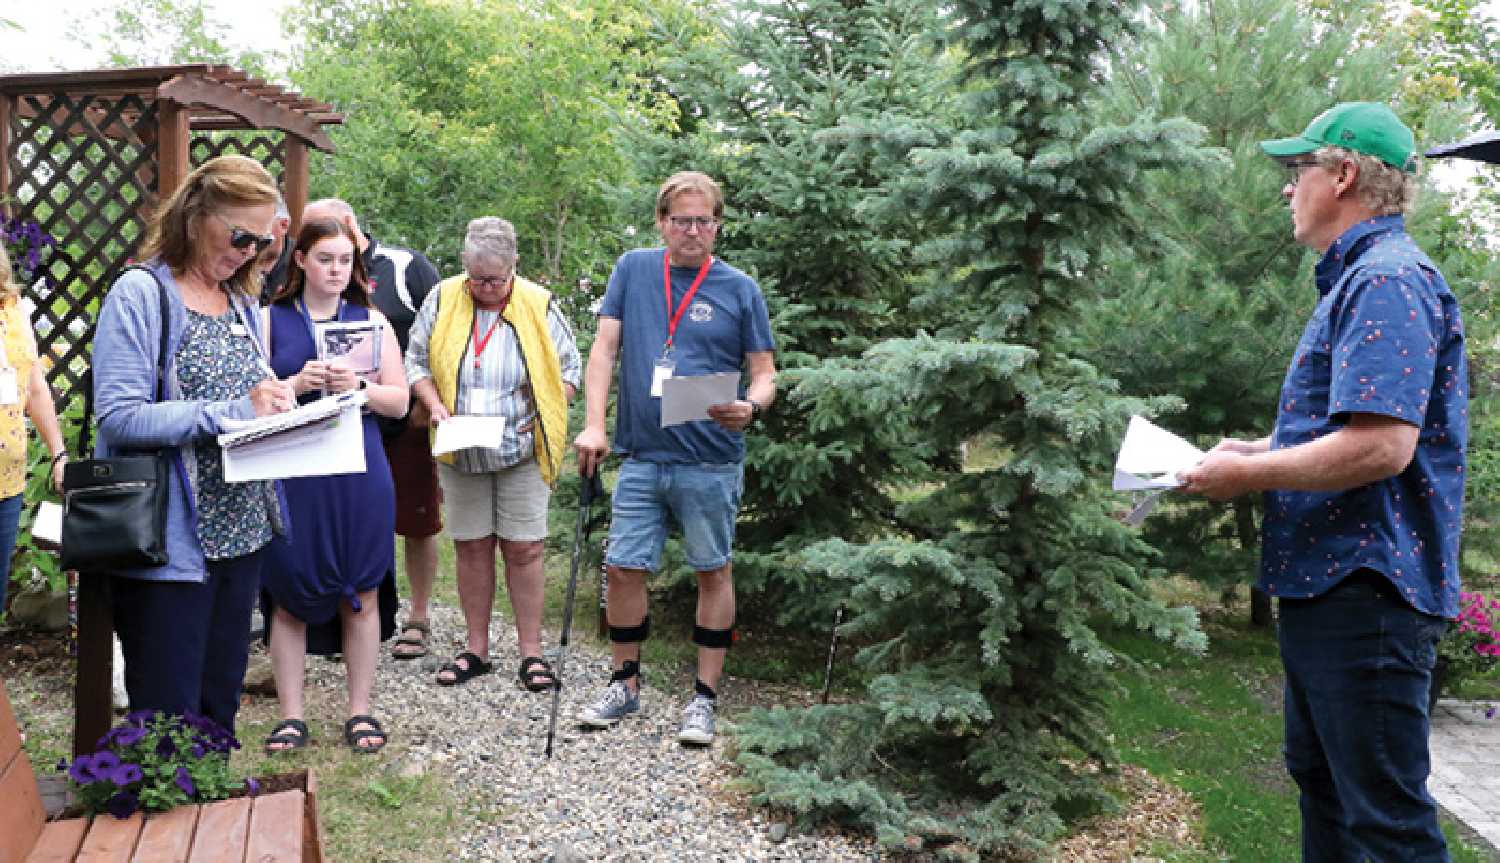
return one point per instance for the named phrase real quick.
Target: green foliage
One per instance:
(165, 32)
(459, 110)
(974, 602)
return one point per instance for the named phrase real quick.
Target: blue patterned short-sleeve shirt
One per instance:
(1386, 338)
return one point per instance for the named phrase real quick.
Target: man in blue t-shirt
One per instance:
(1364, 488)
(671, 313)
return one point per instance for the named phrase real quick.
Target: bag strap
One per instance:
(161, 364)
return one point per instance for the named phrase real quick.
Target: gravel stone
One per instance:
(628, 793)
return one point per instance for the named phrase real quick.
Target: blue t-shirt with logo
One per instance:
(726, 320)
(1386, 338)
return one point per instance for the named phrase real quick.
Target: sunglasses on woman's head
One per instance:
(242, 239)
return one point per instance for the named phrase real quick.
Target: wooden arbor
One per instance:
(87, 155)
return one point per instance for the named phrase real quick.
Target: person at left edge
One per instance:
(23, 392)
(182, 625)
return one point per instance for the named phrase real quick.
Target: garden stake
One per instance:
(590, 488)
(833, 643)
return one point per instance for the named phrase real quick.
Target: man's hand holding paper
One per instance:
(1220, 475)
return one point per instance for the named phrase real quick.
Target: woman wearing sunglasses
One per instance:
(183, 626)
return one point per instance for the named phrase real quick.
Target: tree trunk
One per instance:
(1244, 525)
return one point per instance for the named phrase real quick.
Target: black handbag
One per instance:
(115, 509)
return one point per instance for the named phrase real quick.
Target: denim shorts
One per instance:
(703, 499)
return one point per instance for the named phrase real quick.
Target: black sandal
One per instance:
(356, 738)
(414, 646)
(288, 734)
(536, 675)
(472, 668)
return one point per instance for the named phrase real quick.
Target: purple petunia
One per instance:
(198, 750)
(123, 804)
(124, 775)
(185, 781)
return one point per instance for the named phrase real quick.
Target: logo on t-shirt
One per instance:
(701, 312)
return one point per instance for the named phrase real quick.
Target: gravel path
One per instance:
(631, 793)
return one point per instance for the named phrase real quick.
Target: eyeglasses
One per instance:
(702, 223)
(1294, 170)
(491, 282)
(242, 239)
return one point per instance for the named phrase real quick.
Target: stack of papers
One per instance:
(1149, 461)
(318, 439)
(468, 432)
(687, 399)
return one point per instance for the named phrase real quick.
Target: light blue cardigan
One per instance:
(126, 342)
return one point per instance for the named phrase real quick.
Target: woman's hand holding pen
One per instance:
(272, 396)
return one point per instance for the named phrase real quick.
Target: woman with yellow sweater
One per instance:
(490, 343)
(23, 393)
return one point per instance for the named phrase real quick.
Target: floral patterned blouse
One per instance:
(215, 365)
(20, 354)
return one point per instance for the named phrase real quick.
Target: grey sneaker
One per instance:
(697, 722)
(615, 704)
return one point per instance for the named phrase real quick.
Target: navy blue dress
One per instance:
(342, 539)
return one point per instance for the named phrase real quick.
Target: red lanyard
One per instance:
(481, 342)
(666, 278)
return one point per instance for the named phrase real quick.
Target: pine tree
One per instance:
(978, 604)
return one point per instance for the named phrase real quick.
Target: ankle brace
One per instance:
(701, 688)
(631, 669)
(704, 637)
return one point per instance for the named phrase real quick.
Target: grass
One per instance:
(1211, 725)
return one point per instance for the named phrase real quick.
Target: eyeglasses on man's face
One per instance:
(1295, 168)
(702, 223)
(242, 239)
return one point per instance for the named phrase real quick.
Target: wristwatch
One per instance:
(754, 409)
(363, 384)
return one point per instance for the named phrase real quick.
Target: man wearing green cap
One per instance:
(1363, 478)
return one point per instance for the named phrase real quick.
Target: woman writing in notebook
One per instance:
(342, 540)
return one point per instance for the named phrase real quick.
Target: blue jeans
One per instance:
(10, 519)
(1358, 664)
(187, 643)
(702, 498)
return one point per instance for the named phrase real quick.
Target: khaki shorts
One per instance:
(510, 504)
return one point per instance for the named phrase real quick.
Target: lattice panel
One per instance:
(267, 148)
(84, 168)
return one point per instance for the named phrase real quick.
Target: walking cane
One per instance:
(591, 488)
(833, 644)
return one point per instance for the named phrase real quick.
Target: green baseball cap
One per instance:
(1364, 127)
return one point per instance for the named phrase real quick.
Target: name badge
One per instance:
(663, 370)
(239, 329)
(10, 394)
(479, 402)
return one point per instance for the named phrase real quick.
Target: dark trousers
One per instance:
(1358, 667)
(185, 643)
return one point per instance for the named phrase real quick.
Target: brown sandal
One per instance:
(416, 646)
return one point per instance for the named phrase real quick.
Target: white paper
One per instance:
(468, 432)
(47, 526)
(1149, 461)
(1150, 457)
(318, 439)
(686, 399)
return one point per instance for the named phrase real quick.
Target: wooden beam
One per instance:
(195, 90)
(7, 107)
(93, 691)
(295, 178)
(172, 146)
(93, 78)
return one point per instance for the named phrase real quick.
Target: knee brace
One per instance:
(631, 634)
(721, 638)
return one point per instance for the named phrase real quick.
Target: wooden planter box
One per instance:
(280, 825)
